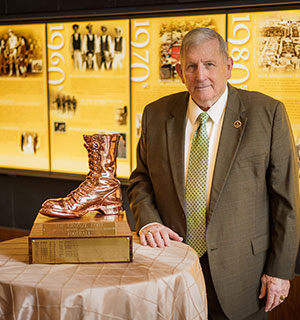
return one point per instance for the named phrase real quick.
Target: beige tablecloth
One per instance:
(160, 283)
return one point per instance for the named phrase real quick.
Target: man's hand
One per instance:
(275, 289)
(158, 235)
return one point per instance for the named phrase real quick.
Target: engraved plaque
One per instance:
(93, 238)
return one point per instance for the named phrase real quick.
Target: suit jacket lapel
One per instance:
(175, 130)
(230, 139)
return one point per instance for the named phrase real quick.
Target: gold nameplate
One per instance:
(93, 238)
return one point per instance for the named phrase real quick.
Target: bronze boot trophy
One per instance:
(100, 190)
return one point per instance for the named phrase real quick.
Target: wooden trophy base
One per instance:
(93, 238)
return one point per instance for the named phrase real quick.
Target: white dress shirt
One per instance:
(214, 125)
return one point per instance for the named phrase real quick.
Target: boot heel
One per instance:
(111, 209)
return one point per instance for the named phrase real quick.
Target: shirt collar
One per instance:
(215, 111)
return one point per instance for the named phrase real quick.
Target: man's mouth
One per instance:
(201, 87)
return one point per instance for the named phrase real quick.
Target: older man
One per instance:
(227, 186)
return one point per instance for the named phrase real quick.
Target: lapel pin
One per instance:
(237, 123)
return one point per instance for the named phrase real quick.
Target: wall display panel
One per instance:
(23, 97)
(265, 47)
(89, 90)
(155, 50)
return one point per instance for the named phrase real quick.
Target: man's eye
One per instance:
(191, 68)
(209, 64)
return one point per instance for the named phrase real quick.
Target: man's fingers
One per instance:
(158, 239)
(270, 302)
(263, 289)
(173, 235)
(166, 238)
(276, 290)
(158, 236)
(143, 239)
(276, 302)
(150, 239)
(165, 235)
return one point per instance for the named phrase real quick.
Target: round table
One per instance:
(160, 283)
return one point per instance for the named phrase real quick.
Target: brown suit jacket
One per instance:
(254, 203)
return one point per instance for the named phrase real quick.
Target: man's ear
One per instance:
(229, 67)
(179, 71)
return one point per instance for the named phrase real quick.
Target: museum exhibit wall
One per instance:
(69, 68)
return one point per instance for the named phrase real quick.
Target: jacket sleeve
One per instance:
(140, 192)
(283, 187)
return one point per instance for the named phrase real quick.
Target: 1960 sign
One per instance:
(56, 43)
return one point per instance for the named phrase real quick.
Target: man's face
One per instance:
(118, 32)
(205, 72)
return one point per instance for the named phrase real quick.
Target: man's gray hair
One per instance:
(200, 35)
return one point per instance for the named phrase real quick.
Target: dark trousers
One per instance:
(215, 311)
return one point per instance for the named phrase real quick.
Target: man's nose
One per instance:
(200, 73)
